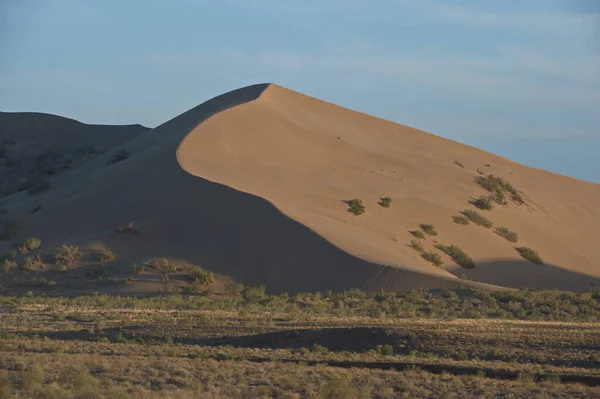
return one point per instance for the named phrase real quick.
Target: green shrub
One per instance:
(385, 202)
(477, 218)
(30, 244)
(457, 255)
(498, 187)
(429, 229)
(107, 255)
(483, 203)
(530, 255)
(162, 264)
(137, 269)
(433, 257)
(32, 263)
(418, 234)
(201, 277)
(254, 293)
(460, 220)
(127, 228)
(356, 206)
(507, 234)
(234, 289)
(67, 254)
(8, 265)
(416, 245)
(119, 156)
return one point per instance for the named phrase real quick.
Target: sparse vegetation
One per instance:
(418, 234)
(385, 202)
(480, 172)
(458, 163)
(200, 276)
(32, 263)
(416, 245)
(162, 264)
(429, 229)
(127, 228)
(67, 255)
(107, 255)
(483, 203)
(507, 234)
(8, 265)
(460, 220)
(356, 207)
(119, 156)
(497, 187)
(477, 218)
(35, 209)
(530, 255)
(457, 255)
(432, 257)
(30, 244)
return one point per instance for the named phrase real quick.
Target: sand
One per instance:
(251, 185)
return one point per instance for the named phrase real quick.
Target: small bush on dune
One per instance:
(107, 255)
(127, 228)
(477, 218)
(356, 207)
(32, 263)
(385, 202)
(530, 255)
(8, 265)
(162, 264)
(458, 163)
(418, 234)
(234, 289)
(119, 156)
(11, 254)
(483, 203)
(416, 245)
(200, 276)
(67, 254)
(507, 234)
(429, 229)
(30, 244)
(433, 257)
(457, 255)
(461, 220)
(497, 187)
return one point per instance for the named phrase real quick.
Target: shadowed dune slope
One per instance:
(251, 184)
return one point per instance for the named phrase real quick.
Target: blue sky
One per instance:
(519, 78)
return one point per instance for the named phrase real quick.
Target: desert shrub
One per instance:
(67, 254)
(127, 228)
(11, 254)
(30, 244)
(429, 229)
(385, 202)
(530, 255)
(8, 265)
(162, 264)
(460, 220)
(234, 289)
(137, 269)
(118, 156)
(432, 257)
(254, 293)
(36, 184)
(483, 203)
(32, 263)
(200, 276)
(356, 206)
(458, 163)
(129, 281)
(506, 233)
(40, 282)
(465, 277)
(35, 209)
(418, 234)
(477, 218)
(458, 255)
(480, 172)
(10, 228)
(106, 256)
(416, 245)
(498, 187)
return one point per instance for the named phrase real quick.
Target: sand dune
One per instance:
(251, 185)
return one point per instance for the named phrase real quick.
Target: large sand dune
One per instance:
(251, 184)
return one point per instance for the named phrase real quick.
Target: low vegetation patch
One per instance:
(356, 207)
(118, 156)
(498, 187)
(507, 234)
(458, 163)
(461, 220)
(107, 255)
(433, 257)
(67, 254)
(477, 218)
(530, 255)
(200, 276)
(484, 203)
(458, 255)
(162, 264)
(30, 244)
(127, 228)
(385, 202)
(32, 263)
(8, 265)
(429, 229)
(416, 245)
(418, 234)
